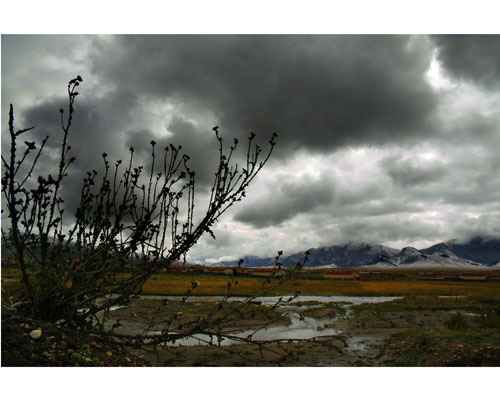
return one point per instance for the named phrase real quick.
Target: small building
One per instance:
(473, 277)
(341, 275)
(221, 270)
(179, 268)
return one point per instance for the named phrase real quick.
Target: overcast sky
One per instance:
(392, 140)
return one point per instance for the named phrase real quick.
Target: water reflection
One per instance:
(299, 328)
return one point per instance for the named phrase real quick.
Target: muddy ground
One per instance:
(426, 331)
(366, 338)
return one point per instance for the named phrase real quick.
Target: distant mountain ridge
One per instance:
(483, 250)
(473, 252)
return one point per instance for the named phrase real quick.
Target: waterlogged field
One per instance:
(431, 323)
(435, 323)
(408, 331)
(436, 331)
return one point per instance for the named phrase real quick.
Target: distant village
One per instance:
(311, 273)
(335, 274)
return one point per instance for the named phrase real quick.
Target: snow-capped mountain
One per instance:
(348, 255)
(480, 249)
(409, 256)
(474, 252)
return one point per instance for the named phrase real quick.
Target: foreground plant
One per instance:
(131, 223)
(128, 220)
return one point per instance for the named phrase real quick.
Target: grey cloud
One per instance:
(388, 228)
(476, 127)
(224, 239)
(479, 186)
(287, 201)
(318, 92)
(200, 145)
(95, 130)
(487, 224)
(98, 123)
(366, 200)
(467, 177)
(406, 173)
(383, 206)
(354, 196)
(469, 197)
(39, 64)
(473, 58)
(323, 200)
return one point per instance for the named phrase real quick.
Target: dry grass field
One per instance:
(178, 284)
(217, 284)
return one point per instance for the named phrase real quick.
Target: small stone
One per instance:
(36, 334)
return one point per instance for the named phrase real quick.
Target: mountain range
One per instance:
(477, 251)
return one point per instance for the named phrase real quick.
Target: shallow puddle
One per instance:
(299, 328)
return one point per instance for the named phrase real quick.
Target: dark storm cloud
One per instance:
(317, 92)
(326, 96)
(200, 146)
(87, 137)
(95, 130)
(473, 58)
(287, 200)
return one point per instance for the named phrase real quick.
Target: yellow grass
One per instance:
(212, 285)
(209, 285)
(179, 283)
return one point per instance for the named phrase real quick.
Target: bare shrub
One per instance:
(132, 222)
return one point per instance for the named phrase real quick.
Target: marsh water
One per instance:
(301, 327)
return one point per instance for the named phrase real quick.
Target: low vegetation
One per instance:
(468, 334)
(322, 310)
(469, 303)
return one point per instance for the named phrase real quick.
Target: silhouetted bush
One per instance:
(132, 222)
